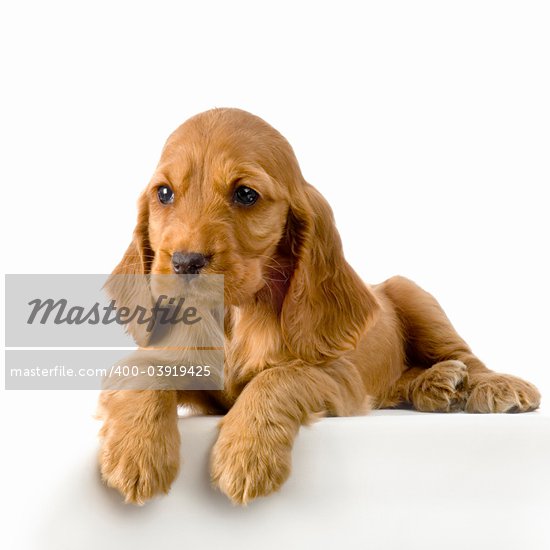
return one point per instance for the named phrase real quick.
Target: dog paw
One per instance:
(441, 388)
(501, 393)
(138, 464)
(246, 465)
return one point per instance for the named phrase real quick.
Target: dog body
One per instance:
(304, 335)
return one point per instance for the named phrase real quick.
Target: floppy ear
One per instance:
(327, 307)
(138, 257)
(129, 283)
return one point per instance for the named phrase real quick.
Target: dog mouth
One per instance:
(242, 277)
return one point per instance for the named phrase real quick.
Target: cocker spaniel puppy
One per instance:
(304, 335)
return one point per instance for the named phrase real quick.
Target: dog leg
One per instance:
(441, 388)
(252, 455)
(432, 340)
(140, 451)
(492, 392)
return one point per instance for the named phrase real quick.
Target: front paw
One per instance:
(138, 463)
(249, 463)
(501, 393)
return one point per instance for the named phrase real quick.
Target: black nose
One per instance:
(188, 262)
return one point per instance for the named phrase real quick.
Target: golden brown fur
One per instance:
(304, 335)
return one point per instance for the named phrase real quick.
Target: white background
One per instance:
(425, 124)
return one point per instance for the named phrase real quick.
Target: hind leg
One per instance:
(433, 343)
(441, 388)
(501, 393)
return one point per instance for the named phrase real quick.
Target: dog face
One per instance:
(219, 200)
(228, 197)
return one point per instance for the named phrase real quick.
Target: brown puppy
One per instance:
(304, 335)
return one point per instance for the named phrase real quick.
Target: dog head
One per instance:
(228, 197)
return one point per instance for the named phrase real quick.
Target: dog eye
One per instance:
(245, 196)
(165, 194)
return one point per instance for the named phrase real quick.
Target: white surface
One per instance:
(424, 123)
(393, 479)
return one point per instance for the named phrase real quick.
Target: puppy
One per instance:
(304, 336)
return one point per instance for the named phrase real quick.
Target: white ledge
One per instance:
(393, 479)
